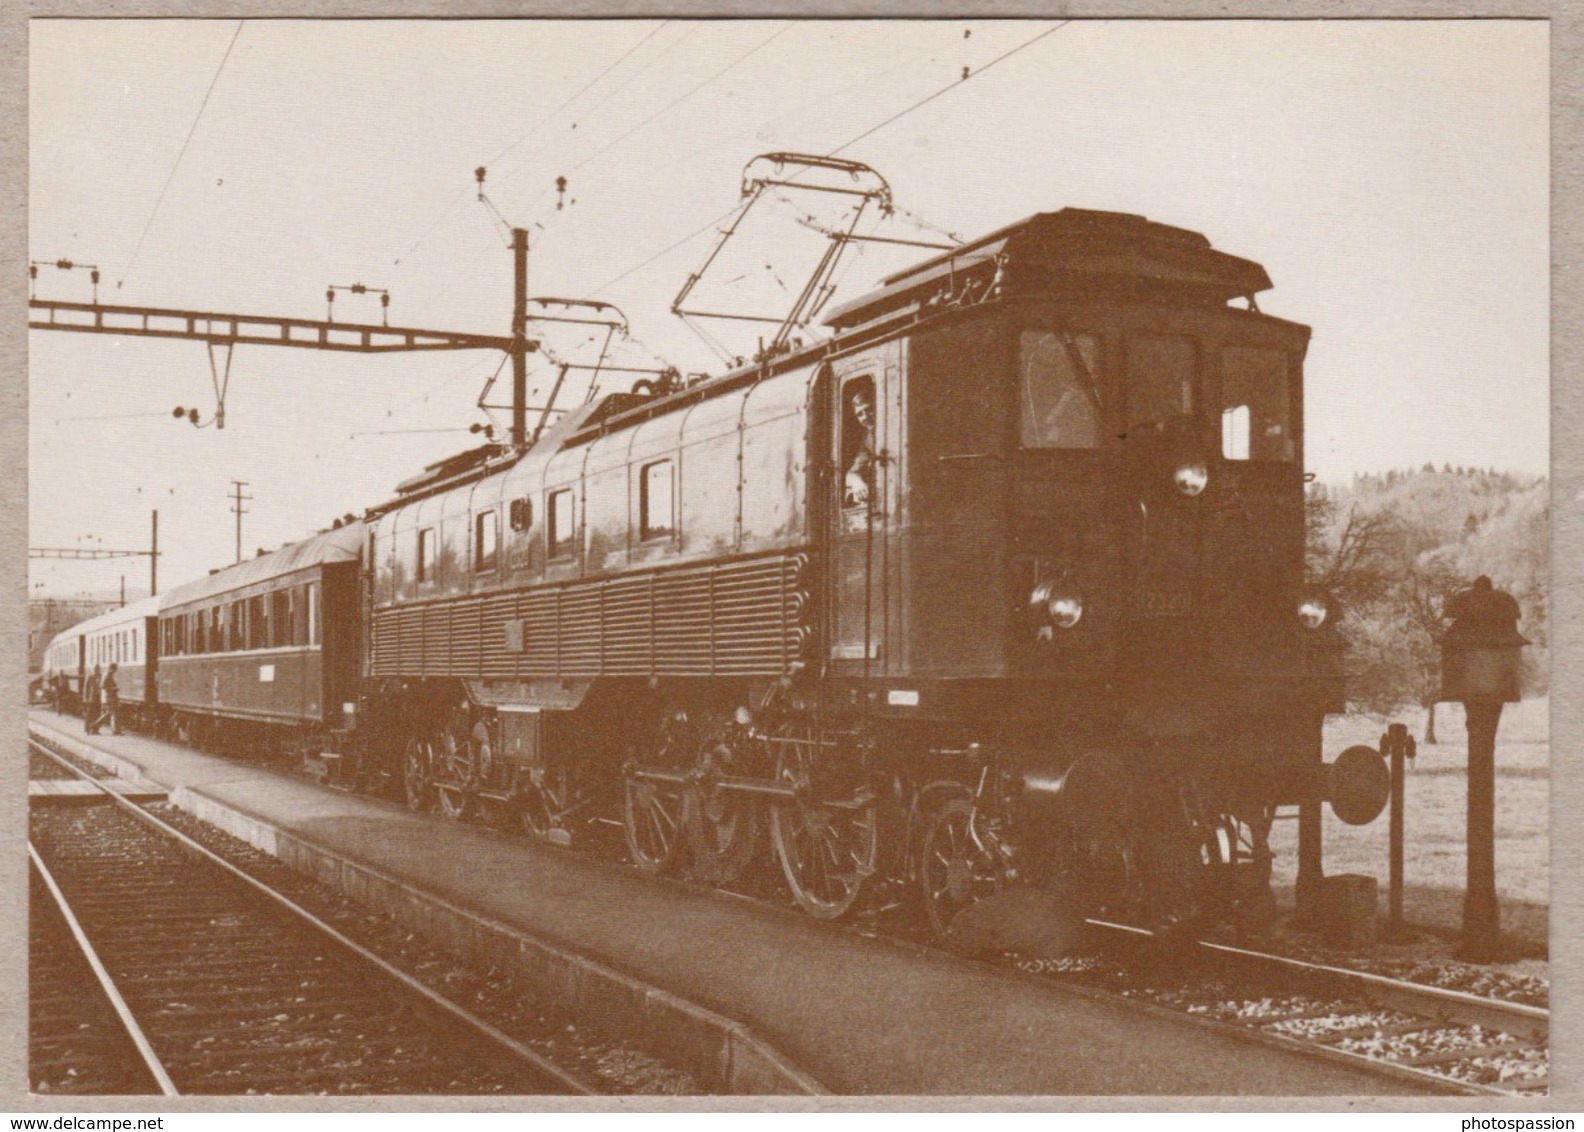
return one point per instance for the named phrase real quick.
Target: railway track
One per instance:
(1467, 1042)
(225, 986)
(1454, 1041)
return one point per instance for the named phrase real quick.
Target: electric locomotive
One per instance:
(1000, 585)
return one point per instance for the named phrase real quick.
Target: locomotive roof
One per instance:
(1073, 246)
(125, 615)
(339, 545)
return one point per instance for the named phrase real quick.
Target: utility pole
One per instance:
(237, 508)
(153, 553)
(519, 339)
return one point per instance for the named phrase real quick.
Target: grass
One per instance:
(1435, 801)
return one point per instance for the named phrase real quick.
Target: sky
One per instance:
(1392, 176)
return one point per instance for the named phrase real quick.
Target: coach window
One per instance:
(563, 523)
(280, 618)
(258, 623)
(521, 514)
(426, 554)
(484, 542)
(657, 500)
(311, 599)
(1255, 414)
(1160, 372)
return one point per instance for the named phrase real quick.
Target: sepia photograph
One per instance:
(787, 558)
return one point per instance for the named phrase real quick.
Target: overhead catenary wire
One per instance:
(971, 75)
(136, 251)
(585, 88)
(675, 102)
(461, 193)
(844, 146)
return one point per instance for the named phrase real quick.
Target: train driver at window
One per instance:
(860, 427)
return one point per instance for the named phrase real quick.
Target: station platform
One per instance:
(858, 1015)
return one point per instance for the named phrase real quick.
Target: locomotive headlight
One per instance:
(1312, 611)
(1056, 605)
(1191, 478)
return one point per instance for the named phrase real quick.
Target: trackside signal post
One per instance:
(1479, 667)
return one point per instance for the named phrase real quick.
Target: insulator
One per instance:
(94, 275)
(479, 175)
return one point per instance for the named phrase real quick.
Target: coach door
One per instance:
(860, 500)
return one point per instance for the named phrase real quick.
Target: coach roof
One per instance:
(339, 545)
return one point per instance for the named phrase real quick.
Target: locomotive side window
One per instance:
(426, 554)
(484, 542)
(1160, 371)
(562, 523)
(1059, 389)
(656, 500)
(857, 445)
(1255, 415)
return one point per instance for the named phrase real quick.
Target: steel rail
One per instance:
(495, 1034)
(1517, 1018)
(151, 1060)
(1435, 1004)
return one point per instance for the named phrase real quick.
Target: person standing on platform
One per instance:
(90, 702)
(110, 691)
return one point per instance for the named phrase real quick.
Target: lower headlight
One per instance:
(1057, 605)
(1191, 478)
(1312, 611)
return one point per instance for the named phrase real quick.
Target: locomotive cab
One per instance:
(1088, 546)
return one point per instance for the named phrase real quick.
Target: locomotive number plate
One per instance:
(1163, 603)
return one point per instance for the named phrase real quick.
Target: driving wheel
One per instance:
(827, 837)
(417, 777)
(723, 826)
(457, 780)
(955, 871)
(654, 810)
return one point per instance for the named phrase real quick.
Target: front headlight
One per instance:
(1191, 478)
(1312, 611)
(1056, 605)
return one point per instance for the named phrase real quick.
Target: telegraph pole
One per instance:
(237, 501)
(153, 553)
(519, 339)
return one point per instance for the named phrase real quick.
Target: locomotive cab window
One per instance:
(1160, 377)
(1059, 389)
(484, 542)
(1255, 410)
(656, 500)
(857, 447)
(563, 524)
